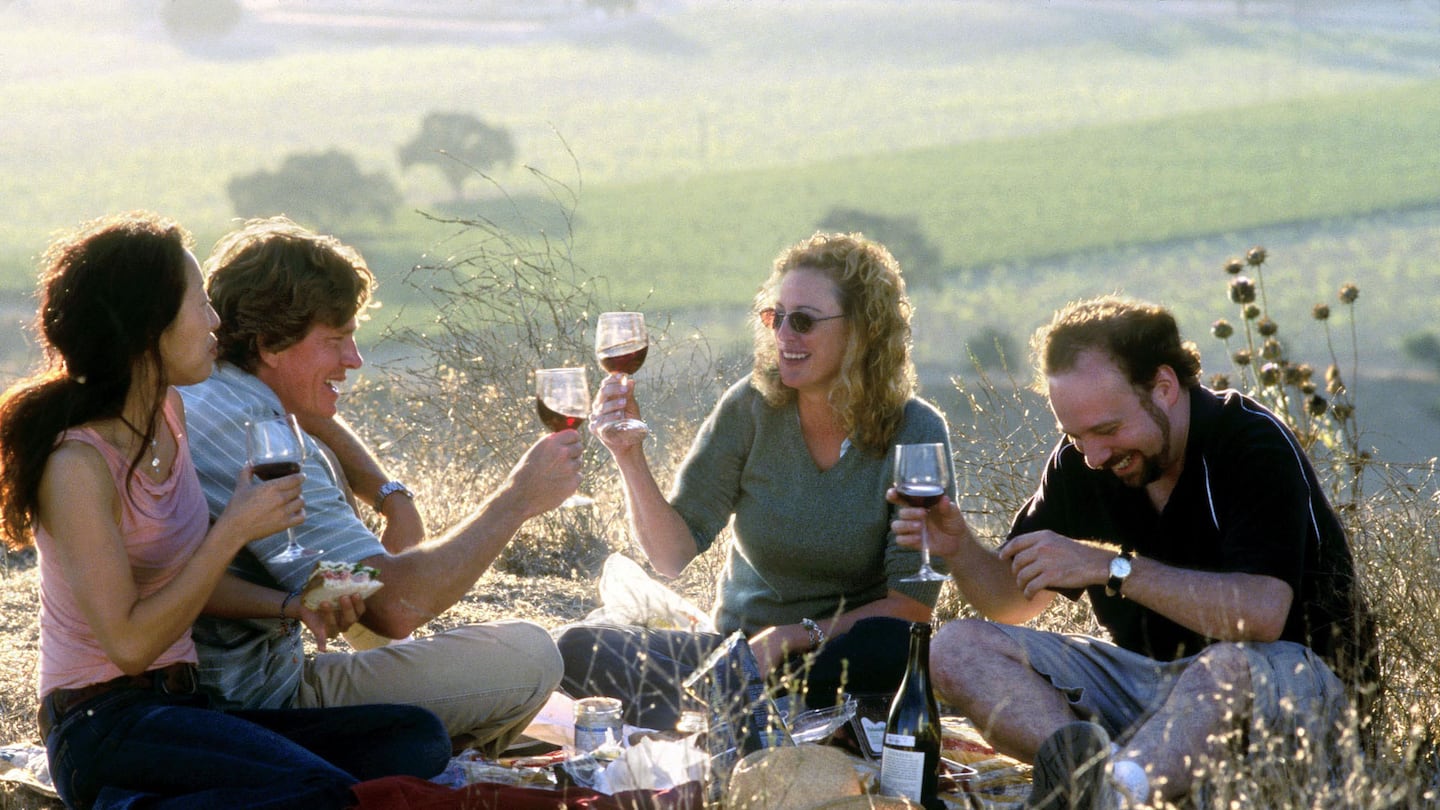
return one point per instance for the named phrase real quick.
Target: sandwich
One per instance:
(332, 580)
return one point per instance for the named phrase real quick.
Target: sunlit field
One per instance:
(1044, 151)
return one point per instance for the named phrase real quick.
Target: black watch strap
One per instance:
(1115, 583)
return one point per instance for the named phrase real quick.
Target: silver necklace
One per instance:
(154, 444)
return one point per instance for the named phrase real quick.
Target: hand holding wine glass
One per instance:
(562, 400)
(275, 449)
(921, 476)
(621, 344)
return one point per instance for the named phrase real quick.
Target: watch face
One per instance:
(1120, 567)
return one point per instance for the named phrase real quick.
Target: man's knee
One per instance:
(1227, 667)
(964, 646)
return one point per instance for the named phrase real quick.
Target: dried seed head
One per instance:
(1348, 294)
(1271, 349)
(1307, 388)
(1222, 329)
(1342, 411)
(1292, 374)
(1306, 371)
(1242, 290)
(1316, 405)
(1234, 266)
(1219, 382)
(1241, 357)
(1320, 312)
(1252, 311)
(1267, 327)
(1256, 256)
(1269, 374)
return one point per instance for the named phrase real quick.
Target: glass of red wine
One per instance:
(621, 344)
(921, 476)
(562, 399)
(276, 449)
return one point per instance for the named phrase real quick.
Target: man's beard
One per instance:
(1153, 466)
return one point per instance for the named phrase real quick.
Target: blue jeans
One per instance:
(134, 748)
(644, 668)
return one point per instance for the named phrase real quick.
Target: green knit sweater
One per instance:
(808, 544)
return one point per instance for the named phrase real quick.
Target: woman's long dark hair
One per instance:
(108, 291)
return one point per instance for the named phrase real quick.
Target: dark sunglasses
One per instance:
(800, 322)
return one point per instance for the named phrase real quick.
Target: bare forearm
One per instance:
(1224, 606)
(425, 580)
(987, 583)
(654, 523)
(235, 598)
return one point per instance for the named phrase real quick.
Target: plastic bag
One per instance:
(629, 596)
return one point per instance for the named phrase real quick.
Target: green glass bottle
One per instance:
(910, 757)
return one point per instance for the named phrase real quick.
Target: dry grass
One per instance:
(461, 412)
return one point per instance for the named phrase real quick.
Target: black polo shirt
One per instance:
(1248, 501)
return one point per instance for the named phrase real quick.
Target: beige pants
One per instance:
(486, 680)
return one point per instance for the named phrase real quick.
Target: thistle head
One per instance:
(1255, 257)
(1222, 329)
(1242, 290)
(1348, 294)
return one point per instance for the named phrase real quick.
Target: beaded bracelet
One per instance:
(284, 603)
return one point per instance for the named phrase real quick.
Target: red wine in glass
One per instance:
(921, 495)
(271, 470)
(556, 421)
(621, 343)
(922, 472)
(275, 447)
(624, 361)
(562, 399)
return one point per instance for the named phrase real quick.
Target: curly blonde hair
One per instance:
(877, 376)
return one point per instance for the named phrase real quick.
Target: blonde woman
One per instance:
(799, 455)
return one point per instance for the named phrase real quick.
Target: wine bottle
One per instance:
(910, 756)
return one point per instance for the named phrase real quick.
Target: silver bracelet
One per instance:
(817, 635)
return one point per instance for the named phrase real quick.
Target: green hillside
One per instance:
(708, 239)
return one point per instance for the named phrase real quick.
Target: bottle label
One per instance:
(902, 773)
(901, 740)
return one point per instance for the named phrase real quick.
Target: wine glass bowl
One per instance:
(275, 448)
(921, 476)
(562, 401)
(621, 344)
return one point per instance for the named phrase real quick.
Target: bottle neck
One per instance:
(919, 663)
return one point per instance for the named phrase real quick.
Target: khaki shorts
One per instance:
(1291, 687)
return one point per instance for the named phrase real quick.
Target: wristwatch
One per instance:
(390, 488)
(1119, 571)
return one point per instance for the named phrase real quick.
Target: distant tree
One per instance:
(993, 348)
(919, 259)
(458, 144)
(613, 6)
(1425, 347)
(324, 189)
(187, 20)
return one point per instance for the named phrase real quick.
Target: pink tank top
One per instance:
(162, 524)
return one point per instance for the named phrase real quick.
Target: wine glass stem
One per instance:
(924, 545)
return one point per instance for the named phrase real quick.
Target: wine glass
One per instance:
(562, 398)
(921, 476)
(275, 449)
(621, 344)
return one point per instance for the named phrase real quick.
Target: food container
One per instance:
(597, 723)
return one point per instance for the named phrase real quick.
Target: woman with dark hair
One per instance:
(95, 470)
(798, 455)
